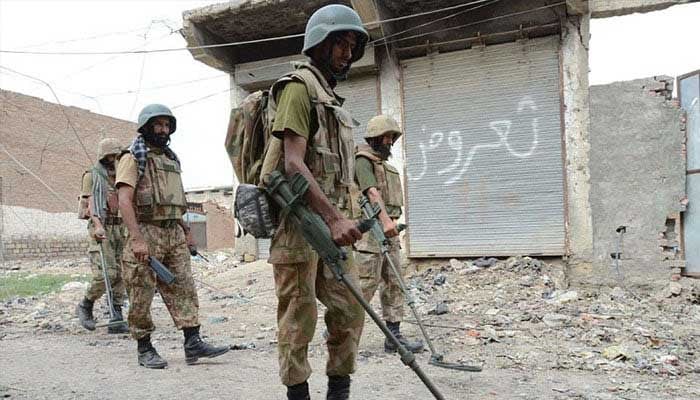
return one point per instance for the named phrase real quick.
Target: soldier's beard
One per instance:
(156, 140)
(384, 150)
(109, 166)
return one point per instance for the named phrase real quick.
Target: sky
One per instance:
(621, 48)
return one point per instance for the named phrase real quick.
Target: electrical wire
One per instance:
(385, 37)
(138, 89)
(63, 111)
(231, 44)
(478, 22)
(201, 98)
(102, 35)
(35, 176)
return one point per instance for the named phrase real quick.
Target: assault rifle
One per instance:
(288, 195)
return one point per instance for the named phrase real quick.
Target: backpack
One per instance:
(248, 143)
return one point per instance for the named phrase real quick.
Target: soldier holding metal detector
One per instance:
(313, 145)
(380, 182)
(107, 236)
(152, 202)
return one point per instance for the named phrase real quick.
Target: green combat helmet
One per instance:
(108, 147)
(334, 18)
(382, 124)
(152, 111)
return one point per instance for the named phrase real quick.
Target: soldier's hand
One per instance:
(344, 232)
(99, 234)
(140, 249)
(391, 229)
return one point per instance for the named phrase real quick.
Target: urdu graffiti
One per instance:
(454, 140)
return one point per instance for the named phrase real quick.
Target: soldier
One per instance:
(380, 182)
(105, 230)
(152, 202)
(317, 142)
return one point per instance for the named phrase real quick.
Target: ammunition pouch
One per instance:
(254, 212)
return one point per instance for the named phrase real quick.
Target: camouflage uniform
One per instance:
(167, 244)
(112, 248)
(300, 277)
(159, 202)
(372, 171)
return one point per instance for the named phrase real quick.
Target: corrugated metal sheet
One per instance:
(690, 101)
(484, 151)
(263, 249)
(361, 99)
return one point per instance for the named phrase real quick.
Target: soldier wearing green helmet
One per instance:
(317, 142)
(100, 207)
(380, 182)
(152, 202)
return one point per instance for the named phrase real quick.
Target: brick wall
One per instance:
(38, 134)
(38, 247)
(220, 227)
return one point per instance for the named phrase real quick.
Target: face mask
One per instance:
(156, 140)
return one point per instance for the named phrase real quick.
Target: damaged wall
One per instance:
(638, 179)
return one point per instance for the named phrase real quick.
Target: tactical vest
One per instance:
(388, 180)
(330, 150)
(159, 194)
(389, 184)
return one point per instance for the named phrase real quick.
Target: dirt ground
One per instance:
(535, 339)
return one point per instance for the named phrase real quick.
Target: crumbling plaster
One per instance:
(638, 178)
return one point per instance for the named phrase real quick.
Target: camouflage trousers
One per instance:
(112, 250)
(375, 272)
(297, 286)
(169, 246)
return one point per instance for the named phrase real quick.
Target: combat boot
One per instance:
(390, 347)
(148, 356)
(121, 328)
(298, 392)
(84, 313)
(196, 348)
(338, 388)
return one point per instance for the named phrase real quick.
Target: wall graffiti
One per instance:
(463, 158)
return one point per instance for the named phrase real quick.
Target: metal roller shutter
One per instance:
(361, 99)
(484, 151)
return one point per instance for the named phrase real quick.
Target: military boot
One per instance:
(84, 313)
(338, 388)
(196, 348)
(148, 356)
(121, 328)
(390, 347)
(298, 392)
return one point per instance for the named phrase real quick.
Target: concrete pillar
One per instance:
(574, 59)
(390, 92)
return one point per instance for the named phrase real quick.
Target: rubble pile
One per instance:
(518, 313)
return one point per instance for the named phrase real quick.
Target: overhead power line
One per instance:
(477, 22)
(30, 172)
(62, 108)
(231, 44)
